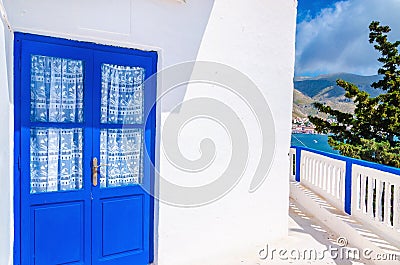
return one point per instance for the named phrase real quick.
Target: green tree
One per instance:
(372, 132)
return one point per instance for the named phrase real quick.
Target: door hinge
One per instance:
(19, 163)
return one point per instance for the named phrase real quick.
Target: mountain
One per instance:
(323, 89)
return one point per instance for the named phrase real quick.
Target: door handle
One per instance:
(95, 168)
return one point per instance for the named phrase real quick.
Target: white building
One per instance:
(62, 63)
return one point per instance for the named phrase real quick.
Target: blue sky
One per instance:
(308, 9)
(332, 36)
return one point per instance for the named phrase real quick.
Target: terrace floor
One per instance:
(308, 232)
(325, 224)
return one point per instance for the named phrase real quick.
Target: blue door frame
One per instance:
(93, 55)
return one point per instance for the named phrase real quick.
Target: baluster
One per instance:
(334, 172)
(370, 210)
(312, 170)
(328, 179)
(309, 167)
(338, 180)
(358, 189)
(388, 208)
(311, 173)
(340, 194)
(378, 200)
(324, 178)
(321, 175)
(396, 207)
(363, 194)
(318, 175)
(316, 172)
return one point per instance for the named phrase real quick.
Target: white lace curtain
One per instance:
(121, 94)
(121, 150)
(57, 96)
(56, 159)
(56, 89)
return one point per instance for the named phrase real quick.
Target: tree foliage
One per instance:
(372, 132)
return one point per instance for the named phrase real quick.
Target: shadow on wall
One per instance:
(174, 27)
(195, 26)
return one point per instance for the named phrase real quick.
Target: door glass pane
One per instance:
(56, 159)
(121, 151)
(121, 94)
(56, 89)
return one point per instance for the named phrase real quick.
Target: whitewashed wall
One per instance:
(256, 37)
(6, 147)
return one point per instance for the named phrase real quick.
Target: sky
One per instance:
(332, 35)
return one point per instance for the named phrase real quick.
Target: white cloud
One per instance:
(337, 39)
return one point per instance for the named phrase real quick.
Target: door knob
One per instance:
(95, 168)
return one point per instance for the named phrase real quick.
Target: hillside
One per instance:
(323, 89)
(311, 86)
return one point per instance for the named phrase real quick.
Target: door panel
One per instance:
(128, 224)
(58, 233)
(55, 109)
(80, 101)
(121, 206)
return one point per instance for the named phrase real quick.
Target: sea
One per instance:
(313, 141)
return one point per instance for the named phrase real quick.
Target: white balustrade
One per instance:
(375, 198)
(375, 193)
(324, 175)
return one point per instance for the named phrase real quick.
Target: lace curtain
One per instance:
(56, 159)
(121, 151)
(57, 96)
(121, 103)
(121, 94)
(56, 89)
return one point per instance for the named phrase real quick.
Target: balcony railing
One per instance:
(367, 191)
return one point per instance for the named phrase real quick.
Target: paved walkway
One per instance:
(379, 250)
(305, 234)
(308, 242)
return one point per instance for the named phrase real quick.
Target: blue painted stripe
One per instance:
(355, 161)
(298, 161)
(348, 187)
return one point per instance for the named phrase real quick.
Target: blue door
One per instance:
(84, 148)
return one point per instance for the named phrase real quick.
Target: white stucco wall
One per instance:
(255, 37)
(6, 144)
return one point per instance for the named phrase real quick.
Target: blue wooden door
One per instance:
(120, 205)
(84, 120)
